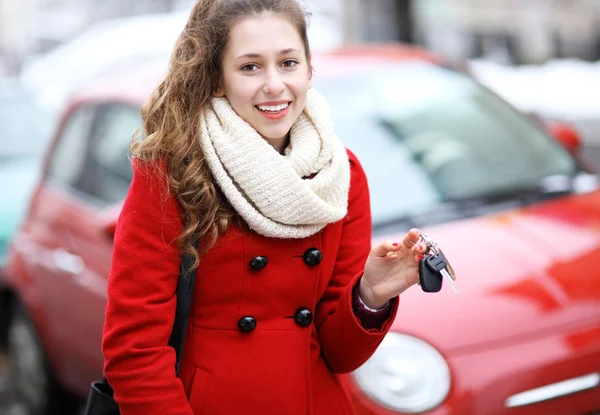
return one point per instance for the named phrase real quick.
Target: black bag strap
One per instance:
(185, 293)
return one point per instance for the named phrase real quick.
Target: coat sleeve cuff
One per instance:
(343, 327)
(369, 318)
(372, 322)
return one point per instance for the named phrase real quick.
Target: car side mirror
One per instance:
(565, 134)
(108, 221)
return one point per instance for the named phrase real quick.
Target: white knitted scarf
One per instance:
(271, 191)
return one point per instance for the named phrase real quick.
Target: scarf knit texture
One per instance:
(290, 195)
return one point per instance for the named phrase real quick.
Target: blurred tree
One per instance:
(405, 20)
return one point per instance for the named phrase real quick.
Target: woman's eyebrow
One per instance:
(258, 55)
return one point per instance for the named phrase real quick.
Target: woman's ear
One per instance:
(219, 93)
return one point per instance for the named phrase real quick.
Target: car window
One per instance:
(110, 172)
(428, 136)
(68, 160)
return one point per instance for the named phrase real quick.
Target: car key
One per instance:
(430, 279)
(434, 261)
(437, 263)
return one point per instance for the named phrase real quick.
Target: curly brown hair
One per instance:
(172, 112)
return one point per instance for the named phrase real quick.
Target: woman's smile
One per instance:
(274, 110)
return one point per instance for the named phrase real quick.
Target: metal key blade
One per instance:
(448, 266)
(447, 275)
(432, 246)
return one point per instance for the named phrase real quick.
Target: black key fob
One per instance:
(430, 278)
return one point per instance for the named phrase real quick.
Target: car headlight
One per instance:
(405, 374)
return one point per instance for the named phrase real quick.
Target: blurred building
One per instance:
(29, 27)
(15, 25)
(511, 31)
(369, 20)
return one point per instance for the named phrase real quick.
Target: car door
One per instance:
(88, 178)
(45, 242)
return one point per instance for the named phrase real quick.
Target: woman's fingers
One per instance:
(382, 249)
(409, 241)
(420, 249)
(411, 238)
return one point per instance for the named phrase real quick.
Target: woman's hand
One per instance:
(391, 269)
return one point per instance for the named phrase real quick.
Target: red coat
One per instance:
(305, 331)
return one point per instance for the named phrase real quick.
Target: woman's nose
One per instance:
(274, 84)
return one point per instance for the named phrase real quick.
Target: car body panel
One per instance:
(68, 262)
(524, 272)
(481, 381)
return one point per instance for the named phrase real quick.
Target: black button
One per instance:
(313, 257)
(303, 317)
(247, 324)
(258, 262)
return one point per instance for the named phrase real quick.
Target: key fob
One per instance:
(429, 277)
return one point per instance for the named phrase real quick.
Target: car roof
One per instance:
(134, 82)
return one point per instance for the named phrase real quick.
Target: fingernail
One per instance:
(394, 244)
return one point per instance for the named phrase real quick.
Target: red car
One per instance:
(517, 214)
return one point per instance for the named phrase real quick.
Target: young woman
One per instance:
(240, 152)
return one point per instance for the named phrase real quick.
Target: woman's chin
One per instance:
(274, 135)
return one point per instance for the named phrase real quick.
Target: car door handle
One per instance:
(68, 262)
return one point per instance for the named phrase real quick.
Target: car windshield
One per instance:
(429, 136)
(26, 128)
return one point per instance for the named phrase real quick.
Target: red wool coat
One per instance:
(264, 336)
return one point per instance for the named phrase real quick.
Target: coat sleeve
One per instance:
(141, 299)
(345, 343)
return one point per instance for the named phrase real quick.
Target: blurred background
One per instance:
(542, 56)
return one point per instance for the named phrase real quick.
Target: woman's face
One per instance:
(265, 75)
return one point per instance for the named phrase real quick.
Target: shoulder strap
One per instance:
(185, 293)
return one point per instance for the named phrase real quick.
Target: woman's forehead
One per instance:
(265, 35)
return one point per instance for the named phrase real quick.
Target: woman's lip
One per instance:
(271, 103)
(274, 115)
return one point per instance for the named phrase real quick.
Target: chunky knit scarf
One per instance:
(293, 195)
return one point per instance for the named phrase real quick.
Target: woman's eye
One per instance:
(290, 63)
(249, 67)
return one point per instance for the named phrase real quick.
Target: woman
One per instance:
(240, 153)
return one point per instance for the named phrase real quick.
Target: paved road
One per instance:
(6, 403)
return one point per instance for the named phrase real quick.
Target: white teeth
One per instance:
(273, 108)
